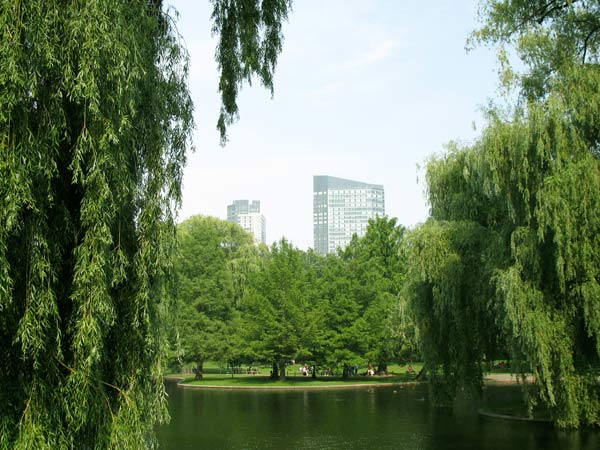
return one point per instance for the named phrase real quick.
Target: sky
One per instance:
(364, 89)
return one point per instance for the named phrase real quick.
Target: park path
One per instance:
(504, 378)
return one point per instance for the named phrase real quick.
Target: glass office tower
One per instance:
(342, 208)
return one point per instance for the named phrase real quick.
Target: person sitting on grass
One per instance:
(410, 369)
(370, 371)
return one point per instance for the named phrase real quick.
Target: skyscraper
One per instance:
(248, 216)
(342, 208)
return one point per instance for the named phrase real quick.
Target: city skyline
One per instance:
(362, 92)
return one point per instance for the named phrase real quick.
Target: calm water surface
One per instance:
(382, 418)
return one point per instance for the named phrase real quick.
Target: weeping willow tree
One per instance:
(95, 118)
(558, 44)
(510, 262)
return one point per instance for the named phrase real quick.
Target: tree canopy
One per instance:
(507, 265)
(277, 304)
(213, 255)
(95, 119)
(509, 261)
(558, 43)
(375, 266)
(552, 37)
(331, 312)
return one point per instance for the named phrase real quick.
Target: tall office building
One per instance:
(342, 208)
(248, 216)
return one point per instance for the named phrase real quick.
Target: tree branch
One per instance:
(586, 42)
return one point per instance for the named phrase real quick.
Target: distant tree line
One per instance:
(243, 304)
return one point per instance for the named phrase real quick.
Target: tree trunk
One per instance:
(314, 371)
(282, 371)
(346, 371)
(199, 369)
(382, 368)
(274, 372)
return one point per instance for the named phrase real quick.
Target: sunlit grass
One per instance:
(215, 375)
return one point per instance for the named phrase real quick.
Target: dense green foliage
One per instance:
(277, 306)
(211, 266)
(558, 43)
(361, 299)
(95, 119)
(508, 264)
(331, 312)
(551, 37)
(377, 266)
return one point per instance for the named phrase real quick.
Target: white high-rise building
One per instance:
(248, 216)
(342, 208)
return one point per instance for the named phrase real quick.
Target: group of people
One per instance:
(305, 370)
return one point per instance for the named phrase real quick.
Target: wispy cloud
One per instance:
(330, 88)
(378, 52)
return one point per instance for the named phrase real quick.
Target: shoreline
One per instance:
(489, 379)
(485, 413)
(183, 385)
(506, 378)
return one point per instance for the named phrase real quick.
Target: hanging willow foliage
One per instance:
(250, 40)
(94, 121)
(95, 118)
(510, 262)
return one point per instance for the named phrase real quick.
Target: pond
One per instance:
(367, 418)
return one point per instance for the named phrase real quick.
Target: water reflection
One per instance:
(382, 418)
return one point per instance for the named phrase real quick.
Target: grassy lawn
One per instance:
(292, 370)
(219, 376)
(262, 380)
(222, 375)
